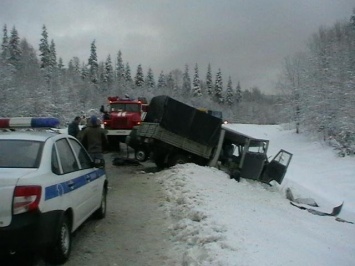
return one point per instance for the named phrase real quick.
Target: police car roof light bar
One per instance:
(29, 122)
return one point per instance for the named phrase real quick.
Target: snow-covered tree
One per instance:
(196, 83)
(60, 64)
(53, 55)
(209, 82)
(14, 48)
(84, 73)
(170, 83)
(28, 64)
(218, 88)
(108, 74)
(44, 49)
(93, 64)
(238, 93)
(149, 80)
(128, 76)
(5, 45)
(119, 67)
(139, 78)
(162, 81)
(186, 83)
(229, 92)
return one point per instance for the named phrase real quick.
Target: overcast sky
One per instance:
(247, 39)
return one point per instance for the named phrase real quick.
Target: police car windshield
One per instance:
(20, 153)
(124, 107)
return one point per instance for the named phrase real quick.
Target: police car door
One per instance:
(76, 186)
(94, 177)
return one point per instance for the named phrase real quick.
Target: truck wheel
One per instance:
(235, 174)
(177, 159)
(60, 251)
(159, 160)
(141, 155)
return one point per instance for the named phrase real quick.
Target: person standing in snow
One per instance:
(94, 138)
(73, 128)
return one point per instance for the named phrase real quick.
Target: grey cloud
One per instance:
(248, 40)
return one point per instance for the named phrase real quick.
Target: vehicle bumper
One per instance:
(29, 231)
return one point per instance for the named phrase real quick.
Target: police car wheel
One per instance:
(59, 253)
(101, 212)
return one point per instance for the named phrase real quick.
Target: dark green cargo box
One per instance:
(184, 120)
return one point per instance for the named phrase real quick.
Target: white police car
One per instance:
(48, 187)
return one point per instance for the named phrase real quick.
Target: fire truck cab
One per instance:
(121, 115)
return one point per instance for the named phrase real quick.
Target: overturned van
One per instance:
(243, 156)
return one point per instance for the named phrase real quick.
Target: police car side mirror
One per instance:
(99, 163)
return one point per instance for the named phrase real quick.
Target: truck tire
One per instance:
(159, 160)
(141, 155)
(177, 159)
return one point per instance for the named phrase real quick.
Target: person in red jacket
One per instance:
(94, 138)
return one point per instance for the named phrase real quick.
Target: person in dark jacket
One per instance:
(94, 138)
(73, 128)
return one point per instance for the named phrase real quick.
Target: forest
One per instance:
(316, 88)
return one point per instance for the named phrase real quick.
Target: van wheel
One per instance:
(60, 251)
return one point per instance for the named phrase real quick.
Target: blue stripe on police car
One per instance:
(59, 189)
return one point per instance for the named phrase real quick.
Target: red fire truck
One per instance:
(121, 115)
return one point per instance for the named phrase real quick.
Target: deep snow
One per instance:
(219, 221)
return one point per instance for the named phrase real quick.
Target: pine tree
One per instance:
(162, 82)
(128, 76)
(139, 78)
(71, 66)
(196, 83)
(28, 64)
(60, 67)
(186, 83)
(108, 76)
(119, 67)
(52, 55)
(101, 74)
(5, 45)
(238, 94)
(60, 64)
(170, 83)
(229, 92)
(93, 64)
(209, 83)
(44, 49)
(149, 80)
(76, 65)
(84, 73)
(14, 48)
(219, 87)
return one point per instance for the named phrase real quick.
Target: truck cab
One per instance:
(121, 115)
